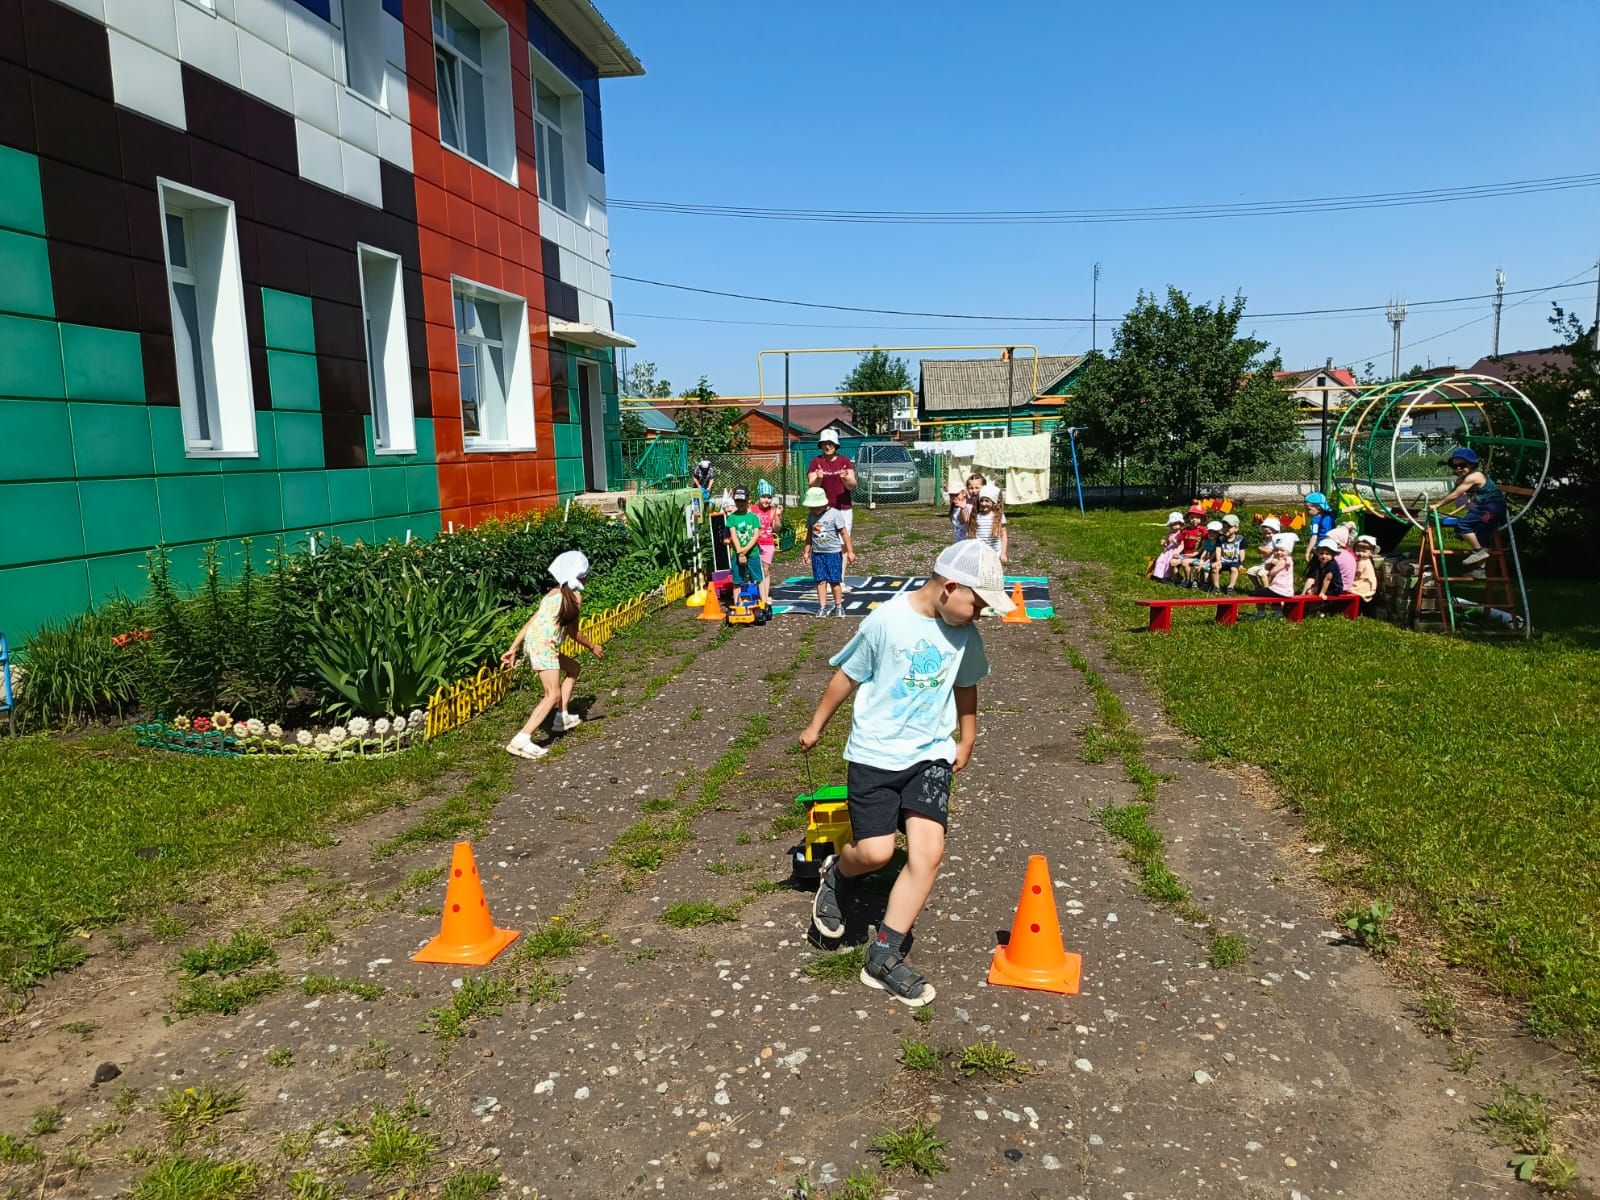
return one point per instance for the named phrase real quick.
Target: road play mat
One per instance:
(798, 593)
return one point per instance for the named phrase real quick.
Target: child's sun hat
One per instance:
(1366, 539)
(1318, 499)
(1213, 526)
(1174, 518)
(763, 488)
(1328, 543)
(570, 568)
(1272, 523)
(815, 497)
(974, 565)
(1231, 521)
(1197, 510)
(989, 491)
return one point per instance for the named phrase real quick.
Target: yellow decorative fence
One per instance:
(453, 706)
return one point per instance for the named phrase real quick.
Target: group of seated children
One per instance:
(1196, 554)
(978, 514)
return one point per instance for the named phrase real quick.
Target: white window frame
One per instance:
(365, 66)
(383, 336)
(217, 401)
(570, 128)
(988, 431)
(517, 385)
(492, 75)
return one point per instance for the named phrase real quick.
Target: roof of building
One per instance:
(1516, 362)
(1338, 375)
(593, 35)
(817, 417)
(961, 384)
(654, 418)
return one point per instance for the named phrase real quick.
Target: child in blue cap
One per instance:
(1486, 504)
(1319, 522)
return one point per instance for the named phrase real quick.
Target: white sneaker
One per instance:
(523, 746)
(1477, 556)
(566, 721)
(824, 609)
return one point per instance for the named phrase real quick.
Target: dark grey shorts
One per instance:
(880, 800)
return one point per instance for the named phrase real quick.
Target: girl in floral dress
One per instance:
(555, 620)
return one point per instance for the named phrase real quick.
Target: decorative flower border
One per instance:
(219, 735)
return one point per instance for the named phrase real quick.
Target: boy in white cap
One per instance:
(916, 661)
(828, 549)
(1230, 555)
(555, 620)
(1324, 578)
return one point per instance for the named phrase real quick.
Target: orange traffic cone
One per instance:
(1019, 614)
(1034, 956)
(712, 609)
(467, 935)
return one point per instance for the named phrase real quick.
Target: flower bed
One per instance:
(219, 735)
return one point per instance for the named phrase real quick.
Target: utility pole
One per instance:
(1011, 378)
(1396, 315)
(1499, 301)
(1596, 334)
(1322, 462)
(1094, 311)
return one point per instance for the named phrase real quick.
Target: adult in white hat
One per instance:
(552, 623)
(703, 474)
(833, 473)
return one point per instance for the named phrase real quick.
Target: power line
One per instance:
(1100, 216)
(902, 312)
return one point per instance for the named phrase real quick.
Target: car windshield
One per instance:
(889, 454)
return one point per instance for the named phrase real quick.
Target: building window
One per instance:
(472, 63)
(363, 49)
(206, 290)
(383, 313)
(548, 148)
(492, 361)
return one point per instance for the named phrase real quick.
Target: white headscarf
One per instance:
(569, 568)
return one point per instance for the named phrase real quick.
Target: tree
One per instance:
(633, 427)
(710, 430)
(1567, 395)
(640, 380)
(876, 372)
(1183, 395)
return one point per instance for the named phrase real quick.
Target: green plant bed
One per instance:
(1462, 774)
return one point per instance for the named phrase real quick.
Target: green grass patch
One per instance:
(915, 1148)
(388, 1148)
(843, 966)
(1228, 950)
(225, 996)
(46, 1120)
(102, 830)
(14, 1152)
(918, 1056)
(861, 1185)
(686, 915)
(561, 938)
(992, 1061)
(1525, 1121)
(1459, 774)
(478, 996)
(240, 952)
(193, 1109)
(470, 1185)
(334, 985)
(280, 1057)
(183, 1177)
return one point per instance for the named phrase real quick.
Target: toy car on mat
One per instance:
(827, 830)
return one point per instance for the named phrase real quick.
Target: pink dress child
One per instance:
(1162, 568)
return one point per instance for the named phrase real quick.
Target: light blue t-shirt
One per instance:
(908, 667)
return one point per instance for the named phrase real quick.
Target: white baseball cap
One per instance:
(1271, 523)
(1328, 543)
(705, 462)
(1230, 520)
(972, 564)
(989, 491)
(829, 434)
(1285, 541)
(1214, 526)
(569, 568)
(1174, 518)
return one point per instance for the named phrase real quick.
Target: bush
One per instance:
(76, 672)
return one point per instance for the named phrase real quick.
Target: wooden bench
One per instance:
(1228, 607)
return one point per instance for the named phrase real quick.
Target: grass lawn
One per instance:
(1460, 778)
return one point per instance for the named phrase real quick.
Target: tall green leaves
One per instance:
(75, 672)
(659, 535)
(388, 643)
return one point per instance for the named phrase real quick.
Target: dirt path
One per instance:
(681, 1061)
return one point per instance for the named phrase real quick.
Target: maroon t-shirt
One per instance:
(833, 484)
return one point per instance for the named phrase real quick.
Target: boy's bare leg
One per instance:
(924, 853)
(866, 855)
(838, 596)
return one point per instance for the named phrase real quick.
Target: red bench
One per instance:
(1228, 607)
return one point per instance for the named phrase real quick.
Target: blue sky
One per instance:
(943, 105)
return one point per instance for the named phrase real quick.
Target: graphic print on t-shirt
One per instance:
(928, 669)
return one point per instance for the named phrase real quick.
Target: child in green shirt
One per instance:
(744, 530)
